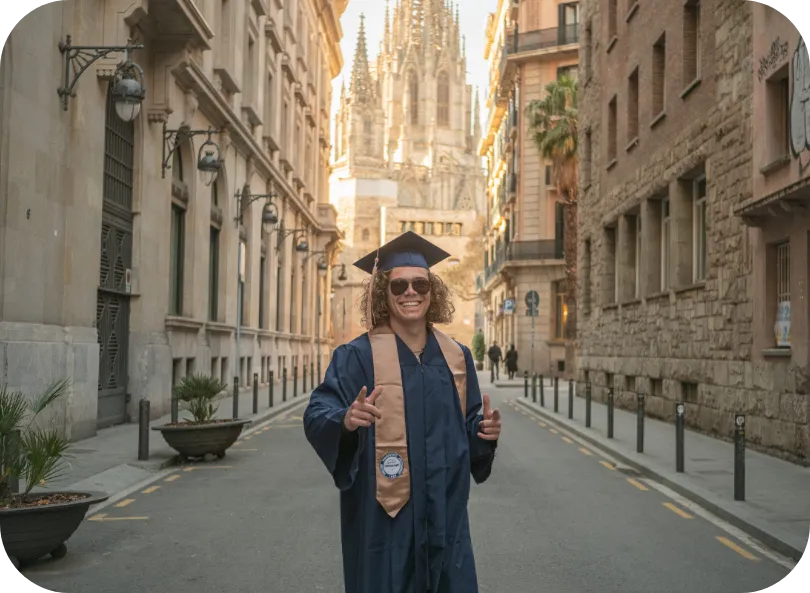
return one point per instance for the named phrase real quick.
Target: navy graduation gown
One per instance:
(427, 546)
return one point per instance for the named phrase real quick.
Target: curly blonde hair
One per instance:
(441, 307)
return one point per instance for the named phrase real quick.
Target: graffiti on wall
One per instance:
(777, 55)
(800, 100)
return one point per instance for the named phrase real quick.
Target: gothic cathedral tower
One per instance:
(405, 156)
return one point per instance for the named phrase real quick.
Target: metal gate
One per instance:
(112, 305)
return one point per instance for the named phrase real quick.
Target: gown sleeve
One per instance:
(482, 453)
(339, 449)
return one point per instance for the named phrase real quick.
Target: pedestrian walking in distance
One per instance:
(495, 356)
(511, 361)
(401, 426)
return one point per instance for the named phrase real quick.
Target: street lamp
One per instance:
(269, 217)
(208, 164)
(129, 88)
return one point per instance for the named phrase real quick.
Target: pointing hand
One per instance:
(363, 412)
(490, 427)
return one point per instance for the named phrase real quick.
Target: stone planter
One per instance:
(29, 533)
(197, 440)
(479, 365)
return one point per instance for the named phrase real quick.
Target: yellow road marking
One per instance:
(730, 544)
(125, 502)
(150, 490)
(608, 465)
(248, 449)
(104, 517)
(543, 424)
(677, 510)
(195, 467)
(553, 431)
(247, 438)
(585, 451)
(567, 440)
(637, 484)
(299, 418)
(172, 478)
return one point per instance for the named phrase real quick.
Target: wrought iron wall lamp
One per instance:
(244, 199)
(207, 163)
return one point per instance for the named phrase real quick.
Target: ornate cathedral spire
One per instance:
(386, 31)
(477, 121)
(362, 88)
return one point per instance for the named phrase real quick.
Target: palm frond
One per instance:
(198, 392)
(44, 457)
(13, 408)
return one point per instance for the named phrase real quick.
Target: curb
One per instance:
(772, 541)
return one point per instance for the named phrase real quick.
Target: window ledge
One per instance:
(610, 307)
(630, 13)
(696, 286)
(633, 143)
(775, 165)
(692, 86)
(612, 164)
(631, 302)
(178, 322)
(612, 43)
(658, 119)
(657, 295)
(777, 352)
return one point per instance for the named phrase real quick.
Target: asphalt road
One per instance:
(555, 516)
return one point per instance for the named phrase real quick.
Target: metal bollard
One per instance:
(570, 400)
(304, 380)
(295, 381)
(534, 388)
(270, 389)
(320, 377)
(542, 392)
(311, 377)
(175, 410)
(284, 385)
(255, 393)
(739, 457)
(640, 423)
(143, 430)
(556, 394)
(679, 410)
(588, 404)
(235, 398)
(610, 413)
(526, 385)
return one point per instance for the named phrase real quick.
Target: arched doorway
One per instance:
(112, 305)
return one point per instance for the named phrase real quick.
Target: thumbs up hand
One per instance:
(490, 427)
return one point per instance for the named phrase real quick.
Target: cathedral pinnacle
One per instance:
(361, 88)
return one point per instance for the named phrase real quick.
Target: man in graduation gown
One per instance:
(400, 424)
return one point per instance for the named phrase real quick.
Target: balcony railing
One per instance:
(518, 42)
(521, 251)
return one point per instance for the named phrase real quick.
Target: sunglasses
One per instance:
(400, 285)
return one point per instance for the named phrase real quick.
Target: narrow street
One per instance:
(555, 516)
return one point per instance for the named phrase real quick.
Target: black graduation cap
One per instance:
(408, 250)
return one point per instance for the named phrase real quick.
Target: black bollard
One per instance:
(320, 377)
(270, 389)
(284, 385)
(295, 380)
(542, 392)
(679, 410)
(304, 381)
(175, 409)
(526, 384)
(556, 394)
(610, 413)
(235, 398)
(588, 404)
(640, 423)
(570, 400)
(739, 457)
(143, 430)
(534, 388)
(312, 377)
(255, 393)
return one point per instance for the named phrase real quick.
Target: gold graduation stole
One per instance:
(391, 435)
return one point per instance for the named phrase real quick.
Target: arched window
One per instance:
(413, 91)
(366, 235)
(443, 100)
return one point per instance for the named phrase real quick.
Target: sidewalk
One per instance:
(776, 509)
(108, 462)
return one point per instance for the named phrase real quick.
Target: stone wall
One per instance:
(691, 342)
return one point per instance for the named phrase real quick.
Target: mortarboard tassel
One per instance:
(369, 307)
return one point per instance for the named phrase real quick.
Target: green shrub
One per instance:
(478, 346)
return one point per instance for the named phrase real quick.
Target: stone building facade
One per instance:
(529, 44)
(670, 284)
(120, 263)
(405, 137)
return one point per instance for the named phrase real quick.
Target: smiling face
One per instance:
(405, 303)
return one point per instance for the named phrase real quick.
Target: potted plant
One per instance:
(478, 350)
(33, 524)
(203, 433)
